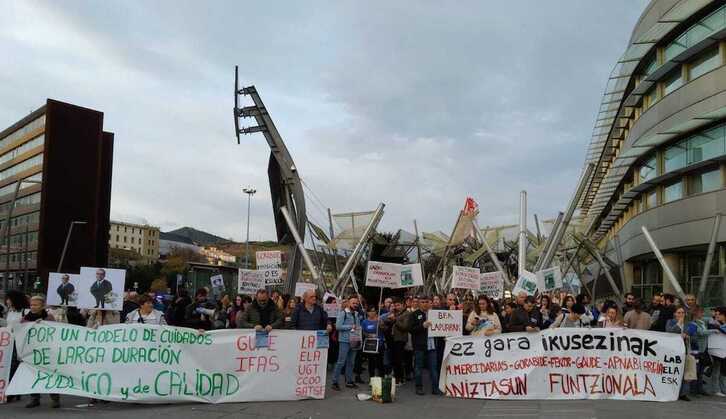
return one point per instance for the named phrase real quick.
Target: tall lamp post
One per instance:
(65, 246)
(249, 192)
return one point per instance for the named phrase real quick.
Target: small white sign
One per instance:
(301, 287)
(464, 277)
(445, 322)
(549, 279)
(63, 289)
(527, 282)
(101, 288)
(393, 275)
(492, 285)
(249, 281)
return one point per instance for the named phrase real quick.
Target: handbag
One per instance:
(355, 340)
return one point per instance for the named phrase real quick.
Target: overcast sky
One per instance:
(413, 103)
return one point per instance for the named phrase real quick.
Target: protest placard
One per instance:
(526, 282)
(101, 288)
(331, 310)
(492, 285)
(445, 322)
(163, 364)
(63, 289)
(549, 279)
(249, 281)
(301, 287)
(565, 363)
(393, 275)
(6, 357)
(270, 264)
(464, 277)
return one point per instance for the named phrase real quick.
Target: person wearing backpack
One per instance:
(574, 318)
(350, 342)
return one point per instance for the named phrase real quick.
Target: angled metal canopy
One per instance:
(285, 185)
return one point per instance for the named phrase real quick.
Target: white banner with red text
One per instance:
(565, 364)
(164, 364)
(6, 357)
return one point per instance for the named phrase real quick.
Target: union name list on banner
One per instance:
(621, 364)
(163, 364)
(465, 278)
(270, 264)
(393, 275)
(6, 356)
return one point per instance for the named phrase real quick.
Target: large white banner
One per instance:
(565, 363)
(464, 277)
(393, 275)
(6, 356)
(270, 264)
(717, 345)
(163, 364)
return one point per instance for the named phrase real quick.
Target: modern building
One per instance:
(55, 172)
(659, 146)
(141, 238)
(169, 241)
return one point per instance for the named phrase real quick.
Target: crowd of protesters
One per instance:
(392, 339)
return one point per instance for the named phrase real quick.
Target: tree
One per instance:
(177, 261)
(159, 285)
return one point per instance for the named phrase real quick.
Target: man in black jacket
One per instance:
(424, 347)
(198, 314)
(101, 286)
(310, 315)
(65, 289)
(525, 318)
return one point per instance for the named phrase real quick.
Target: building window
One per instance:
(650, 97)
(705, 62)
(706, 145)
(704, 182)
(675, 157)
(652, 199)
(672, 81)
(124, 239)
(117, 238)
(673, 191)
(648, 169)
(651, 66)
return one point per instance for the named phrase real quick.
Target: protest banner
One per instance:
(527, 283)
(6, 357)
(464, 277)
(301, 287)
(270, 264)
(492, 285)
(163, 364)
(393, 275)
(717, 345)
(445, 322)
(549, 279)
(566, 363)
(249, 281)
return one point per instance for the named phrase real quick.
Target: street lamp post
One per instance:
(249, 192)
(65, 246)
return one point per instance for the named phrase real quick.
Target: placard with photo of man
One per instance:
(101, 288)
(62, 289)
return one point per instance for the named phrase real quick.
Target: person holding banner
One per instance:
(424, 347)
(678, 325)
(146, 313)
(372, 332)
(310, 315)
(526, 318)
(38, 313)
(263, 313)
(350, 342)
(198, 315)
(483, 321)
